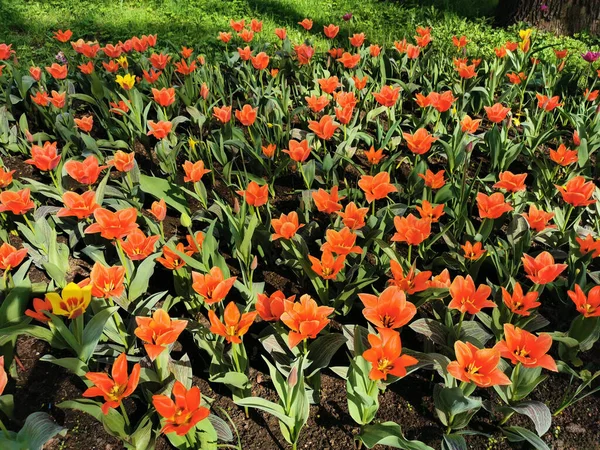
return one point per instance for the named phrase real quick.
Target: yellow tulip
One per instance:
(72, 302)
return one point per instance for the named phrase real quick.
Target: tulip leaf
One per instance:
(454, 442)
(520, 434)
(39, 428)
(74, 365)
(538, 412)
(143, 273)
(93, 332)
(163, 189)
(265, 405)
(322, 350)
(389, 433)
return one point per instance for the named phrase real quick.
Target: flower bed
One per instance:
(368, 246)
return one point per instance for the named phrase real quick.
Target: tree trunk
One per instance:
(557, 16)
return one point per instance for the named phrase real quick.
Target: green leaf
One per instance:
(322, 350)
(538, 412)
(265, 405)
(74, 365)
(143, 273)
(389, 433)
(520, 434)
(163, 189)
(39, 428)
(93, 332)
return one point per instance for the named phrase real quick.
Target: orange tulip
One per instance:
(473, 252)
(441, 281)
(222, 114)
(245, 53)
(247, 115)
(164, 97)
(349, 60)
(123, 162)
(57, 71)
(306, 24)
(325, 128)
(511, 182)
(441, 102)
(158, 332)
(516, 78)
(44, 158)
(518, 303)
(479, 366)
(256, 25)
(238, 25)
(353, 217)
(420, 141)
(317, 104)
(194, 171)
(327, 203)
(360, 83)
(212, 287)
(492, 206)
(246, 35)
(433, 180)
(357, 39)
(327, 267)
(16, 202)
(412, 282)
(389, 310)
(10, 257)
(329, 85)
(500, 52)
(86, 68)
(298, 151)
(160, 130)
(183, 68)
(304, 53)
(466, 71)
(344, 115)
(114, 389)
(269, 150)
(523, 347)
(466, 298)
(119, 108)
(270, 308)
(577, 192)
(376, 187)
(41, 98)
(542, 269)
(563, 157)
(62, 36)
(341, 242)
(260, 61)
(286, 226)
(107, 282)
(6, 177)
(194, 242)
(589, 245)
(85, 123)
(159, 210)
(411, 230)
(80, 206)
(138, 246)
(255, 194)
(387, 96)
(280, 33)
(385, 355)
(113, 225)
(181, 415)
(412, 51)
(429, 212)
(39, 307)
(158, 60)
(496, 113)
(172, 260)
(235, 326)
(305, 319)
(591, 96)
(374, 156)
(224, 37)
(331, 31)
(469, 125)
(86, 172)
(374, 50)
(588, 306)
(538, 219)
(547, 103)
(459, 42)
(58, 99)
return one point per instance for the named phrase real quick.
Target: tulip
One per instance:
(160, 130)
(577, 192)
(183, 68)
(247, 115)
(158, 332)
(589, 245)
(511, 182)
(411, 230)
(466, 298)
(63, 36)
(412, 282)
(389, 310)
(538, 219)
(57, 71)
(473, 252)
(86, 172)
(222, 114)
(327, 203)
(80, 206)
(306, 24)
(325, 128)
(492, 206)
(518, 303)
(341, 242)
(85, 123)
(39, 308)
(523, 347)
(113, 225)
(159, 60)
(298, 151)
(255, 194)
(260, 61)
(360, 83)
(304, 53)
(317, 104)
(433, 180)
(420, 141)
(10, 257)
(183, 414)
(387, 96)
(588, 306)
(246, 35)
(72, 302)
(286, 226)
(376, 187)
(44, 158)
(564, 157)
(245, 53)
(385, 355)
(16, 202)
(479, 366)
(353, 217)
(137, 246)
(164, 97)
(280, 33)
(159, 210)
(547, 103)
(58, 99)
(542, 269)
(41, 98)
(212, 287)
(172, 260)
(235, 326)
(114, 389)
(331, 31)
(305, 319)
(126, 82)
(327, 267)
(6, 177)
(270, 308)
(429, 212)
(349, 61)
(496, 113)
(194, 171)
(357, 39)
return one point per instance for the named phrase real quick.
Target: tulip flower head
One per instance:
(479, 366)
(389, 310)
(183, 414)
(305, 319)
(523, 347)
(234, 324)
(212, 287)
(72, 302)
(385, 355)
(158, 332)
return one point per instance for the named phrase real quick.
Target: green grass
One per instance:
(28, 25)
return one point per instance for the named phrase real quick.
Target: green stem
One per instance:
(4, 430)
(123, 261)
(125, 416)
(458, 329)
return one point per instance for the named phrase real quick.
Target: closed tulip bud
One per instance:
(185, 220)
